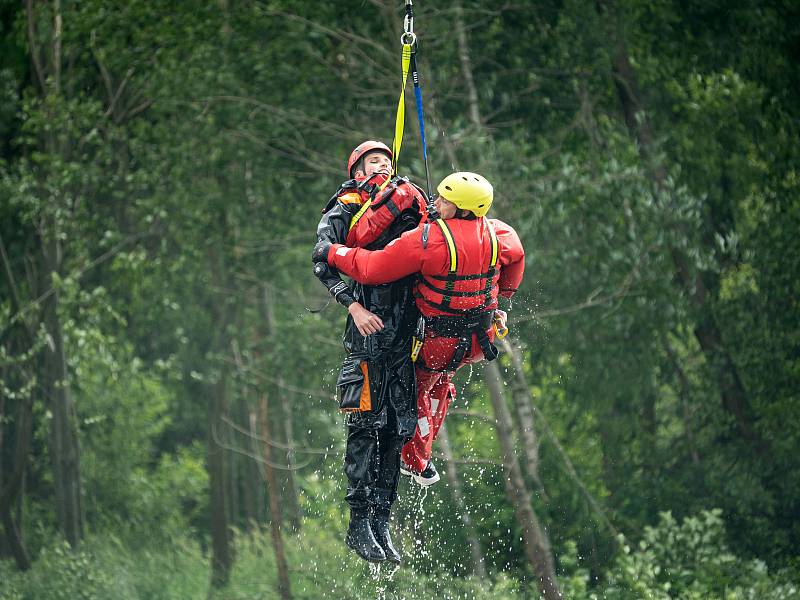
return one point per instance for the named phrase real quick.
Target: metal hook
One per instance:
(408, 24)
(408, 35)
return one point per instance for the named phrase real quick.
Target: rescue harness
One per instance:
(460, 323)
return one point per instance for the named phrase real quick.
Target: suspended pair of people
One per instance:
(422, 304)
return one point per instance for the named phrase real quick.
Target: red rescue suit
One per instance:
(460, 277)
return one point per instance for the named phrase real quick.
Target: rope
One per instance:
(400, 120)
(409, 42)
(421, 119)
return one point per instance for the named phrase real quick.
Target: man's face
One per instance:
(375, 162)
(447, 210)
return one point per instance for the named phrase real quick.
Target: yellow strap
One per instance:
(400, 120)
(359, 214)
(492, 235)
(451, 245)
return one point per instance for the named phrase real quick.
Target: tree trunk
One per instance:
(233, 481)
(219, 473)
(64, 448)
(684, 392)
(274, 503)
(12, 484)
(14, 539)
(292, 506)
(523, 385)
(64, 445)
(292, 495)
(250, 476)
(466, 67)
(479, 564)
(535, 540)
(12, 473)
(256, 471)
(733, 396)
(523, 402)
(218, 483)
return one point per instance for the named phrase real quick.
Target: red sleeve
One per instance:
(386, 207)
(369, 227)
(512, 258)
(399, 258)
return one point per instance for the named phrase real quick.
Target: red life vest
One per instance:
(469, 287)
(371, 225)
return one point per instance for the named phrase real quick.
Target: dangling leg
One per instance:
(442, 395)
(417, 451)
(359, 466)
(384, 493)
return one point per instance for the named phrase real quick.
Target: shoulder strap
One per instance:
(360, 214)
(451, 245)
(493, 236)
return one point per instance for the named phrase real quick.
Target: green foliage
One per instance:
(178, 157)
(62, 574)
(322, 568)
(690, 560)
(106, 568)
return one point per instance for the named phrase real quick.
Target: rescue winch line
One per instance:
(400, 119)
(408, 40)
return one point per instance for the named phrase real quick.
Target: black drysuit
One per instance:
(380, 361)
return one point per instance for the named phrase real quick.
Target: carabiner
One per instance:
(408, 26)
(408, 35)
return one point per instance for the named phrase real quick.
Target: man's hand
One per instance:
(365, 321)
(500, 326)
(320, 253)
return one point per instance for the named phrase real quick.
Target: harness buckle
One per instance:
(418, 339)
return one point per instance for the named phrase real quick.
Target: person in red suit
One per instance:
(465, 262)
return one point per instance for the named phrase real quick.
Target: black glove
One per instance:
(320, 253)
(322, 270)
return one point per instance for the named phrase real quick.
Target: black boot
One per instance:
(361, 539)
(380, 527)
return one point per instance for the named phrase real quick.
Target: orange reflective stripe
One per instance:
(365, 402)
(351, 198)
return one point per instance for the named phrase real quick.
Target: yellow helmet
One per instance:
(468, 191)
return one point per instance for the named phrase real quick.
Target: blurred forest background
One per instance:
(167, 422)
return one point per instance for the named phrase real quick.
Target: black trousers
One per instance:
(372, 466)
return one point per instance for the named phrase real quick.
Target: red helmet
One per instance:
(364, 148)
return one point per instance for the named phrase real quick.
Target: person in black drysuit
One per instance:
(376, 386)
